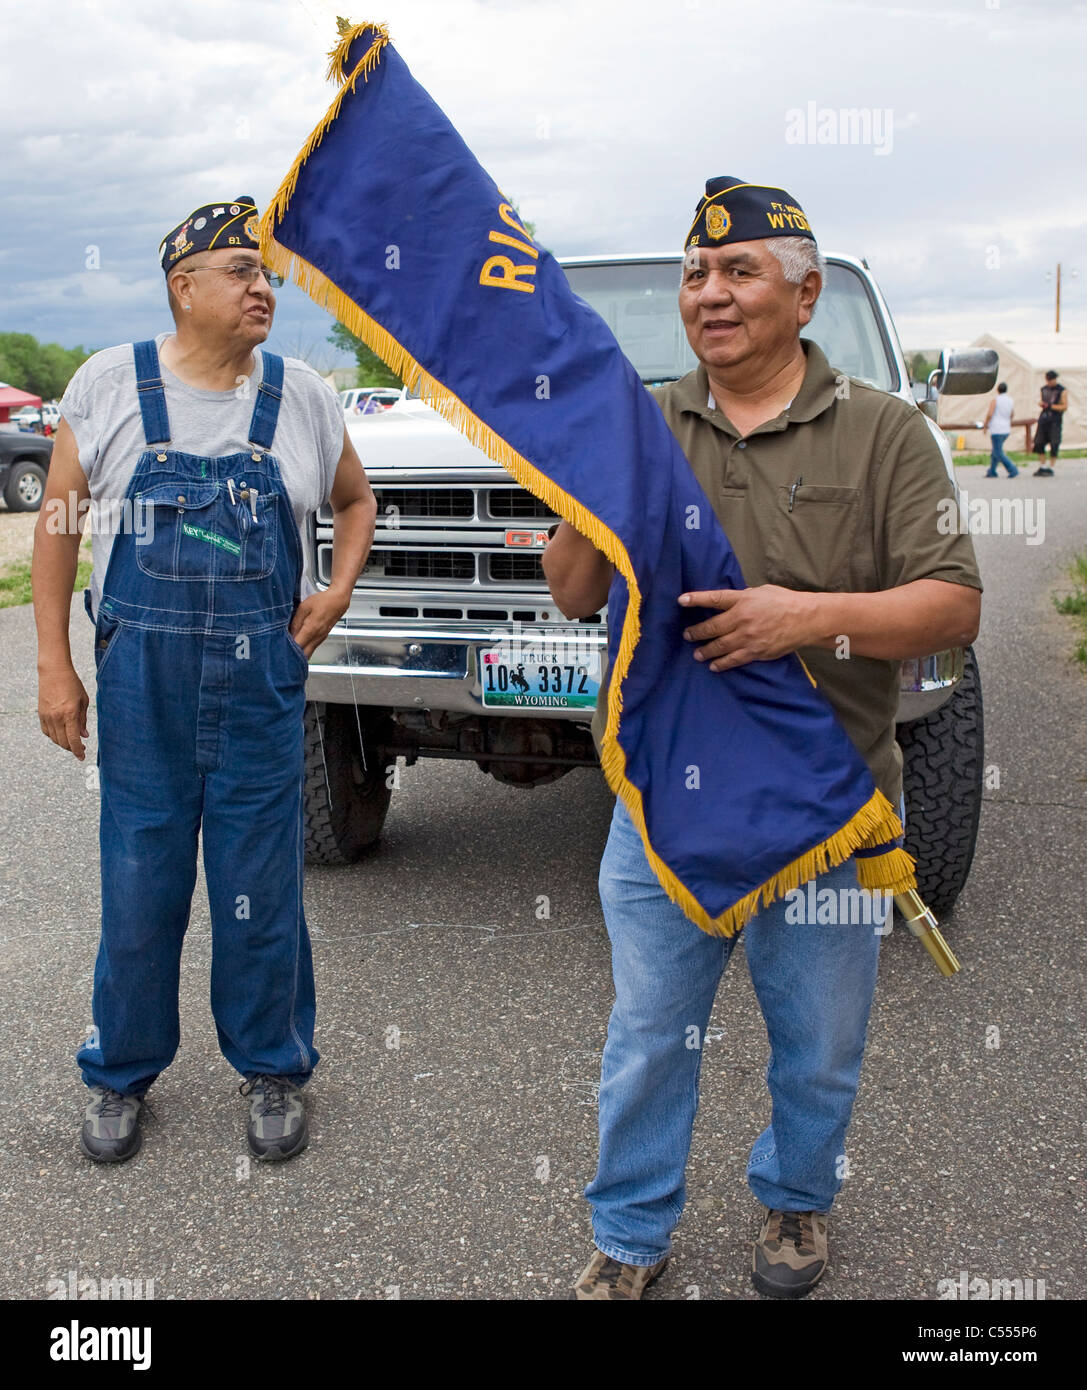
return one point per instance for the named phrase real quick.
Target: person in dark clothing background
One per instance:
(1052, 404)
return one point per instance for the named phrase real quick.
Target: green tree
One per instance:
(921, 367)
(372, 371)
(43, 369)
(17, 359)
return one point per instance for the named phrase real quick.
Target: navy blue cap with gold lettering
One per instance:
(734, 210)
(211, 228)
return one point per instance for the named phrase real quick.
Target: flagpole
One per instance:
(922, 923)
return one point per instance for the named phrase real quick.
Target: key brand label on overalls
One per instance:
(212, 537)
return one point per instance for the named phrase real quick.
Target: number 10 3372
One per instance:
(539, 679)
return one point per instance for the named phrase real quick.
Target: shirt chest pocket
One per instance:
(203, 531)
(811, 536)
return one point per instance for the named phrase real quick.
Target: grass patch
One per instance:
(1018, 456)
(1074, 605)
(15, 583)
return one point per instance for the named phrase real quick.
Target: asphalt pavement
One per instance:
(453, 1114)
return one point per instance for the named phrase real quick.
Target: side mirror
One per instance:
(968, 372)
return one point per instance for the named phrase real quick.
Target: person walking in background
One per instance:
(998, 421)
(1052, 403)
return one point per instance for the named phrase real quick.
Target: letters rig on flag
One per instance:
(742, 783)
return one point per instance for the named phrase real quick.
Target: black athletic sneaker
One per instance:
(1043, 473)
(278, 1127)
(111, 1126)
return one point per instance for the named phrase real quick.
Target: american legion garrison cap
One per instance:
(211, 228)
(733, 210)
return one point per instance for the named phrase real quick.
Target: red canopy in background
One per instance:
(11, 398)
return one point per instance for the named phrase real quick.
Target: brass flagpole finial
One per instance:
(343, 26)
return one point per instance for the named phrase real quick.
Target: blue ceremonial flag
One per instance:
(742, 782)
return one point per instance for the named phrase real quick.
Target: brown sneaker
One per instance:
(790, 1253)
(604, 1277)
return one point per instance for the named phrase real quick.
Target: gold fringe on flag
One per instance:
(336, 60)
(892, 872)
(875, 823)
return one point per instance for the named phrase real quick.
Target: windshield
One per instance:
(637, 300)
(846, 327)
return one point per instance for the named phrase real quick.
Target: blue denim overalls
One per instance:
(201, 691)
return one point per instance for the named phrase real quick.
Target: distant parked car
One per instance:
(369, 400)
(24, 464)
(30, 417)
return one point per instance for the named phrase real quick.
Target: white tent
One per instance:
(1023, 365)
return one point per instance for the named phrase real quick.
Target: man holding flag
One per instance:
(828, 491)
(737, 779)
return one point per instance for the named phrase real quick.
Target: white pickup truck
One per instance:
(453, 648)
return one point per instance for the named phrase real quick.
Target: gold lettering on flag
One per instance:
(501, 272)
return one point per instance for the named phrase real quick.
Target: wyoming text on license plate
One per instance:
(539, 677)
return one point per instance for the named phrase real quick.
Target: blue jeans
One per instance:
(999, 456)
(814, 985)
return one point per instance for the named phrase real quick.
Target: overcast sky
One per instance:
(601, 118)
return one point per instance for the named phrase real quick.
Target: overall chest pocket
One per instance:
(811, 536)
(193, 530)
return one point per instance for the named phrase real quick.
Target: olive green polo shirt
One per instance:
(839, 493)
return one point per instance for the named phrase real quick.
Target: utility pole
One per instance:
(1057, 305)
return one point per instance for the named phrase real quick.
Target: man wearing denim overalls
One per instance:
(198, 457)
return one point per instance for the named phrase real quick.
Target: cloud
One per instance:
(601, 120)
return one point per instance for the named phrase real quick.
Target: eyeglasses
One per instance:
(244, 272)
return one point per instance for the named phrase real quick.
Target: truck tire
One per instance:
(345, 804)
(25, 487)
(942, 773)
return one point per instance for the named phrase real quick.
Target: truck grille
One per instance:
(425, 503)
(462, 543)
(504, 568)
(514, 504)
(419, 564)
(469, 535)
(504, 502)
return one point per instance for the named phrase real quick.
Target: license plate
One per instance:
(539, 677)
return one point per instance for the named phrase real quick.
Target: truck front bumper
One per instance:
(435, 668)
(926, 682)
(438, 668)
